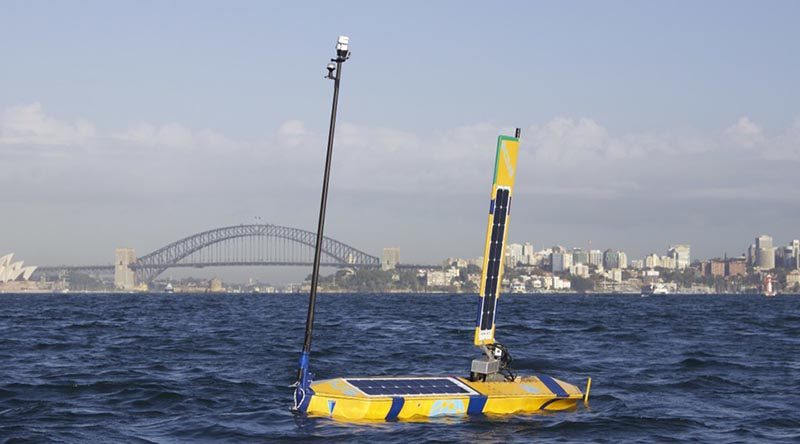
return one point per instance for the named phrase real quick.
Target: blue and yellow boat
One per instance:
(491, 388)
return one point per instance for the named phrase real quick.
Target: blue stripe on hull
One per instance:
(397, 405)
(476, 404)
(553, 386)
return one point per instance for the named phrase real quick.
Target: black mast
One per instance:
(335, 74)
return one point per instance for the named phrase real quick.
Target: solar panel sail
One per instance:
(499, 210)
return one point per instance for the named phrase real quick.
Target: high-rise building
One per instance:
(610, 259)
(561, 261)
(765, 253)
(751, 255)
(528, 253)
(637, 264)
(796, 249)
(652, 261)
(785, 256)
(580, 256)
(681, 254)
(623, 259)
(513, 255)
(390, 259)
(595, 258)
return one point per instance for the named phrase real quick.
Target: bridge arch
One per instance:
(335, 253)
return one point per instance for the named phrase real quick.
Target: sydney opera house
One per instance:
(12, 271)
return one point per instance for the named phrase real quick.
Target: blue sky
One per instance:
(116, 110)
(244, 65)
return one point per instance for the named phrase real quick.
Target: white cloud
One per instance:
(572, 171)
(566, 141)
(568, 157)
(745, 133)
(294, 133)
(171, 135)
(785, 146)
(28, 125)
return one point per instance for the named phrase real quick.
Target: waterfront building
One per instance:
(390, 259)
(216, 286)
(555, 283)
(436, 279)
(561, 284)
(717, 267)
(614, 274)
(518, 286)
(681, 254)
(650, 276)
(581, 270)
(765, 253)
(736, 267)
(11, 271)
(793, 280)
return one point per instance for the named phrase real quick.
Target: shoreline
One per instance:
(384, 293)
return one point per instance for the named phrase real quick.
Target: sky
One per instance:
(644, 124)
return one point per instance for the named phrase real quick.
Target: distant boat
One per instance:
(769, 286)
(658, 289)
(169, 289)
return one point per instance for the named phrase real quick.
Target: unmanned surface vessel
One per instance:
(491, 388)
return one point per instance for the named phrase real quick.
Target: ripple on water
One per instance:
(217, 368)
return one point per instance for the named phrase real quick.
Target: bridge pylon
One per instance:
(124, 276)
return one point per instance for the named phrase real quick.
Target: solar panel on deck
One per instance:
(409, 386)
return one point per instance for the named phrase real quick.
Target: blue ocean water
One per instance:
(216, 368)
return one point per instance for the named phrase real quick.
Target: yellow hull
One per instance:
(347, 399)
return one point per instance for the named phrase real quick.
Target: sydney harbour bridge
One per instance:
(238, 245)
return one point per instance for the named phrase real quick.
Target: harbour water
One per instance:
(216, 368)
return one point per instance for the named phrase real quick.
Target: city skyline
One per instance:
(198, 116)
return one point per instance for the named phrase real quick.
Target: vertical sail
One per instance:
(505, 166)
